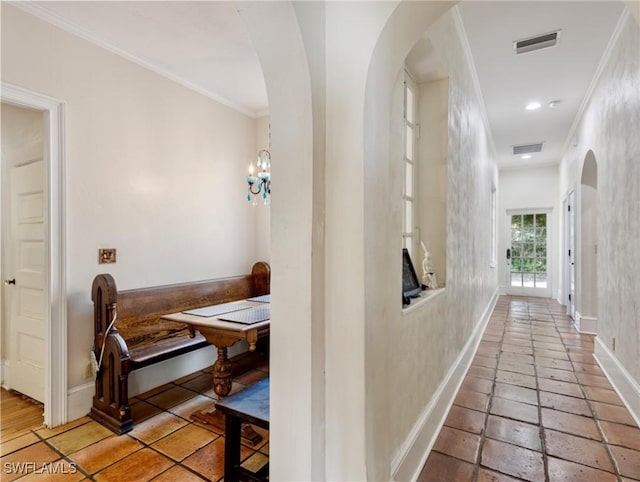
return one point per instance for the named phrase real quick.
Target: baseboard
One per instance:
(79, 399)
(412, 454)
(622, 381)
(586, 324)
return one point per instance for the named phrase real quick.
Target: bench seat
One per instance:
(140, 337)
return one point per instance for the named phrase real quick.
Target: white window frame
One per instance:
(409, 199)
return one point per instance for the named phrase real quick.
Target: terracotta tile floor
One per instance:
(165, 444)
(535, 406)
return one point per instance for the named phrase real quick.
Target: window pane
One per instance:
(541, 280)
(528, 250)
(409, 106)
(516, 228)
(516, 265)
(527, 221)
(408, 216)
(541, 220)
(409, 148)
(516, 252)
(407, 243)
(527, 280)
(408, 179)
(541, 251)
(516, 279)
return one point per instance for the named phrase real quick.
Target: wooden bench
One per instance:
(139, 338)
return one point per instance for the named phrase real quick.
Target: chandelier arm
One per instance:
(259, 188)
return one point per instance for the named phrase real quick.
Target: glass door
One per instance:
(528, 254)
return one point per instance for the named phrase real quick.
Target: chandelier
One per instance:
(260, 185)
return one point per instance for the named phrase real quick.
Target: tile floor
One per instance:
(535, 406)
(164, 445)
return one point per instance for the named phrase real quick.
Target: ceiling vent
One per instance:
(538, 42)
(527, 148)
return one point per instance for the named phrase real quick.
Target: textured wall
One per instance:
(609, 127)
(427, 340)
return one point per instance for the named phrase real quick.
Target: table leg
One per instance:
(222, 387)
(231, 448)
(222, 373)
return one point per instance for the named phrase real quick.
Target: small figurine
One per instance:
(428, 274)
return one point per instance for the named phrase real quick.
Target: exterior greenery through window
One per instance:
(529, 250)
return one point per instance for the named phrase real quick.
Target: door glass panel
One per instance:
(409, 105)
(528, 251)
(408, 216)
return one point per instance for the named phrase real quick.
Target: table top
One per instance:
(250, 404)
(215, 321)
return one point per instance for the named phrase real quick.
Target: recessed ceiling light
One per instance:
(533, 106)
(526, 156)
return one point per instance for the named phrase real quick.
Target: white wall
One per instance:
(526, 189)
(609, 128)
(152, 169)
(433, 108)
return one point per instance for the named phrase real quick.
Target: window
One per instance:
(409, 161)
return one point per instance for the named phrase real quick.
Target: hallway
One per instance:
(535, 406)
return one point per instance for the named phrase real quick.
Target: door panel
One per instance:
(528, 265)
(28, 297)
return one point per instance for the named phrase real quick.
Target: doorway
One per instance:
(528, 253)
(33, 305)
(570, 254)
(587, 308)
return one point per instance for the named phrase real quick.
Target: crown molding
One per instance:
(464, 40)
(50, 17)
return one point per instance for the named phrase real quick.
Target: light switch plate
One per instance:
(107, 255)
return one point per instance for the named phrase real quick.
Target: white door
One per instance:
(25, 285)
(528, 253)
(571, 253)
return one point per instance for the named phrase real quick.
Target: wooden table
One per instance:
(250, 405)
(224, 334)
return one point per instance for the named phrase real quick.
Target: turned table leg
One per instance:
(222, 373)
(222, 377)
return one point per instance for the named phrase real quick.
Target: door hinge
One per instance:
(569, 253)
(569, 297)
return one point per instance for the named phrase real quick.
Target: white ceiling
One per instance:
(509, 82)
(205, 46)
(201, 44)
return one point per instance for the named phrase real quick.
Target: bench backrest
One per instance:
(139, 310)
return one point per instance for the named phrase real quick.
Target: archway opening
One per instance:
(588, 246)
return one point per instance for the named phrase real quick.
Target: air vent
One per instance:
(538, 42)
(527, 148)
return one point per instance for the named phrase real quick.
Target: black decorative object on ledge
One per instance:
(411, 287)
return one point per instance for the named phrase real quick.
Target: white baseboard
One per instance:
(80, 397)
(622, 381)
(586, 324)
(412, 454)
